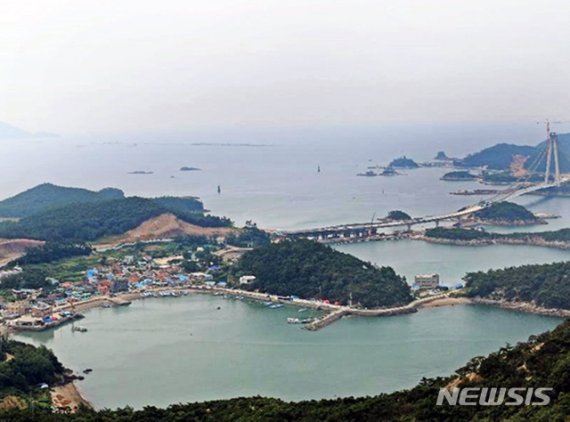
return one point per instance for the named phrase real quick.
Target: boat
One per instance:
(299, 321)
(79, 329)
(302, 310)
(276, 306)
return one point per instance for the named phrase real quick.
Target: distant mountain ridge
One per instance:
(500, 156)
(8, 131)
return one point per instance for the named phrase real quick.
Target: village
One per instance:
(133, 274)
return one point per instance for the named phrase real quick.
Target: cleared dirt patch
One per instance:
(11, 249)
(164, 226)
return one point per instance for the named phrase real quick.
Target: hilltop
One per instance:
(506, 213)
(312, 270)
(501, 156)
(47, 196)
(55, 213)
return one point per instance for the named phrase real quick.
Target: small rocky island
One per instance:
(403, 163)
(397, 215)
(458, 176)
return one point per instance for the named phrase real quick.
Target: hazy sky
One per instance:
(123, 65)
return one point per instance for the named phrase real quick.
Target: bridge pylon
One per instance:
(551, 156)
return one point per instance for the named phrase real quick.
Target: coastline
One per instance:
(526, 307)
(68, 397)
(529, 241)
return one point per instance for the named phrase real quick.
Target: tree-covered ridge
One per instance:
(85, 222)
(187, 204)
(23, 367)
(48, 196)
(547, 285)
(311, 270)
(500, 156)
(249, 237)
(497, 157)
(541, 362)
(562, 235)
(52, 251)
(505, 211)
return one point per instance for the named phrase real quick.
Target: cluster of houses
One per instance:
(32, 309)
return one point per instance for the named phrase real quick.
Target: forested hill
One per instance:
(497, 157)
(507, 212)
(547, 285)
(543, 361)
(47, 196)
(500, 156)
(311, 270)
(90, 221)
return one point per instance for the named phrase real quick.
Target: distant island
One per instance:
(474, 237)
(403, 163)
(187, 168)
(398, 215)
(458, 176)
(308, 269)
(441, 156)
(368, 173)
(141, 172)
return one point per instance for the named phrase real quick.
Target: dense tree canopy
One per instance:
(311, 270)
(506, 211)
(47, 196)
(52, 251)
(547, 285)
(27, 367)
(562, 235)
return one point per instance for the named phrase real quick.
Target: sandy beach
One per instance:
(446, 301)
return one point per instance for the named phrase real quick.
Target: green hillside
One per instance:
(47, 196)
(500, 156)
(83, 222)
(311, 270)
(497, 157)
(506, 211)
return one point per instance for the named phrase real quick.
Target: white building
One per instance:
(246, 279)
(427, 281)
